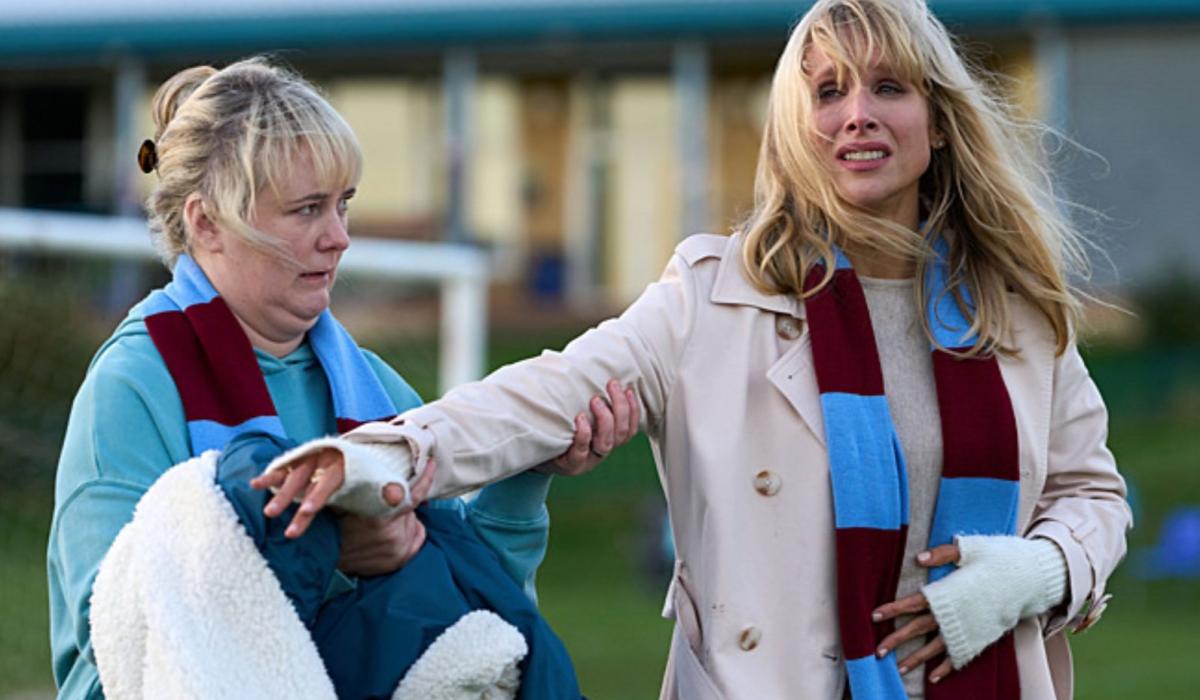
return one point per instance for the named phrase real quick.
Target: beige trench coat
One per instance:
(732, 410)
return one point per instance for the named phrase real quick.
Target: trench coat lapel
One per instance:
(792, 373)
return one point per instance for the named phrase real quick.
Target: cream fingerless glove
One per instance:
(1000, 579)
(368, 469)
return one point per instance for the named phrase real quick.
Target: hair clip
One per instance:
(147, 156)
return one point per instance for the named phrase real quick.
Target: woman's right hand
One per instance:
(615, 423)
(314, 477)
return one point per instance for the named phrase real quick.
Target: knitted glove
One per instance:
(368, 470)
(475, 659)
(1000, 580)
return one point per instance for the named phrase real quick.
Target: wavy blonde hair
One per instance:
(228, 135)
(988, 192)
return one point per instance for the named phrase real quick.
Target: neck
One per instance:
(277, 348)
(884, 265)
(881, 265)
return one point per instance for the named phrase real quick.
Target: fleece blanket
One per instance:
(185, 606)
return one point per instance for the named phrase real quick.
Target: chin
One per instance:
(308, 316)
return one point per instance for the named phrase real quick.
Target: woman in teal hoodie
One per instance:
(255, 172)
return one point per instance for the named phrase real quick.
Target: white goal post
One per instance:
(460, 271)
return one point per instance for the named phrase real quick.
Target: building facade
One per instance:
(581, 139)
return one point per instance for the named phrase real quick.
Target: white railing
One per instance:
(460, 271)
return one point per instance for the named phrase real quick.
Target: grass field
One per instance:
(597, 591)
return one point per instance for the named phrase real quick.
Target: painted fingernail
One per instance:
(903, 669)
(935, 678)
(271, 510)
(923, 556)
(881, 652)
(876, 616)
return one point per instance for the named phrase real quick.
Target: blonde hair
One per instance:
(988, 192)
(228, 134)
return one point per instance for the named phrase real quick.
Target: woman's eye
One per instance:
(828, 92)
(344, 205)
(307, 210)
(890, 88)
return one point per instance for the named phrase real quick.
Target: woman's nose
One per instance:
(860, 112)
(336, 235)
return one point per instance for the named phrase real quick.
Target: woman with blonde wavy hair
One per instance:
(883, 457)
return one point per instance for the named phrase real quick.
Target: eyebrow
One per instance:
(318, 196)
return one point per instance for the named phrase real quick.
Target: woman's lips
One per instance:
(318, 277)
(863, 155)
(864, 164)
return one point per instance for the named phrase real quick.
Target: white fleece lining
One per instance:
(184, 606)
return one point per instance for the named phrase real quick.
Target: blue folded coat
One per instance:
(369, 637)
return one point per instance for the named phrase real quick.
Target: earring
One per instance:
(939, 143)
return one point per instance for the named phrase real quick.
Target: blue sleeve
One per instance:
(510, 516)
(125, 429)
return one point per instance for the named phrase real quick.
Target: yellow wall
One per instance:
(643, 210)
(738, 107)
(398, 123)
(494, 184)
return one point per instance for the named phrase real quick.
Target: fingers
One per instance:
(931, 650)
(577, 453)
(295, 480)
(323, 482)
(604, 436)
(943, 669)
(942, 554)
(416, 539)
(919, 626)
(424, 484)
(269, 480)
(618, 399)
(635, 412)
(907, 605)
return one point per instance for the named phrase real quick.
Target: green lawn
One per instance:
(596, 590)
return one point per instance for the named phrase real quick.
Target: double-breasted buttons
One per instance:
(749, 638)
(767, 483)
(787, 327)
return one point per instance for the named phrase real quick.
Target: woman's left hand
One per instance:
(923, 622)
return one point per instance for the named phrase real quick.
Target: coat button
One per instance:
(787, 327)
(767, 483)
(749, 638)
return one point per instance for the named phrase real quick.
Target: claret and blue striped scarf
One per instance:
(978, 493)
(222, 388)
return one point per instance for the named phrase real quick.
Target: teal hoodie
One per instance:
(127, 427)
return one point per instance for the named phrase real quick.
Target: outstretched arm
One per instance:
(524, 413)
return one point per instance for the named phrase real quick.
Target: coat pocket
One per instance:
(692, 680)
